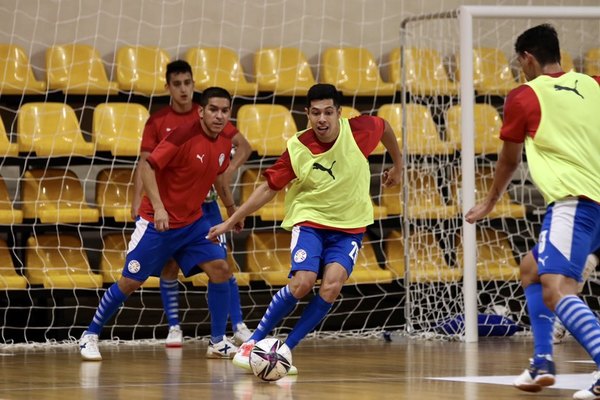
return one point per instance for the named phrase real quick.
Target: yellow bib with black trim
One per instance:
(331, 188)
(563, 157)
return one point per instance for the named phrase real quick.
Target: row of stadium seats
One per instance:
(52, 129)
(56, 195)
(79, 69)
(59, 261)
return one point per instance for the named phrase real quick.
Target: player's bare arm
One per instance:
(138, 186)
(393, 176)
(508, 162)
(261, 196)
(240, 156)
(223, 189)
(161, 218)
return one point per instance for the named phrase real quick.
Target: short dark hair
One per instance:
(542, 42)
(214, 91)
(177, 67)
(324, 91)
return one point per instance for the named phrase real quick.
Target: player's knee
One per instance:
(170, 271)
(300, 287)
(217, 271)
(551, 299)
(529, 270)
(128, 285)
(329, 291)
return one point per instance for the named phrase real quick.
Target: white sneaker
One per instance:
(88, 347)
(242, 358)
(538, 376)
(223, 349)
(593, 393)
(175, 337)
(242, 334)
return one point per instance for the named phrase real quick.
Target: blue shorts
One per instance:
(211, 211)
(570, 232)
(312, 249)
(149, 250)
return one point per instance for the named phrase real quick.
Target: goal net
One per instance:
(78, 80)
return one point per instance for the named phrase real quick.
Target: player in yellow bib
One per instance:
(556, 116)
(327, 207)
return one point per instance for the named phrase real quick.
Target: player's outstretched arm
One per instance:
(393, 176)
(261, 196)
(161, 218)
(508, 162)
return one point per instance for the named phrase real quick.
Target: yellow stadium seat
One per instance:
(77, 69)
(421, 132)
(273, 210)
(424, 198)
(268, 257)
(484, 177)
(487, 128)
(349, 112)
(16, 74)
(7, 149)
(114, 251)
(495, 258)
(142, 70)
(366, 269)
(566, 61)
(114, 193)
(355, 72)
(59, 262)
(55, 196)
(283, 70)
(427, 261)
(425, 72)
(9, 279)
(591, 62)
(8, 214)
(492, 74)
(267, 127)
(118, 128)
(51, 130)
(218, 66)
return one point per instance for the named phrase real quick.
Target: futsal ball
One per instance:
(270, 359)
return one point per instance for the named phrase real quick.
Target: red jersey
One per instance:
(161, 123)
(186, 164)
(522, 113)
(367, 132)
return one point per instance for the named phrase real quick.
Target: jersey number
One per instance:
(354, 252)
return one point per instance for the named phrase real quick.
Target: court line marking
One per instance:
(563, 381)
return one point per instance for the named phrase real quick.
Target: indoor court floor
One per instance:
(328, 369)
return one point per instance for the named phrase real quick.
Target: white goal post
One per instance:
(465, 15)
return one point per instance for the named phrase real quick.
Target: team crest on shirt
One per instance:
(300, 255)
(221, 159)
(133, 266)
